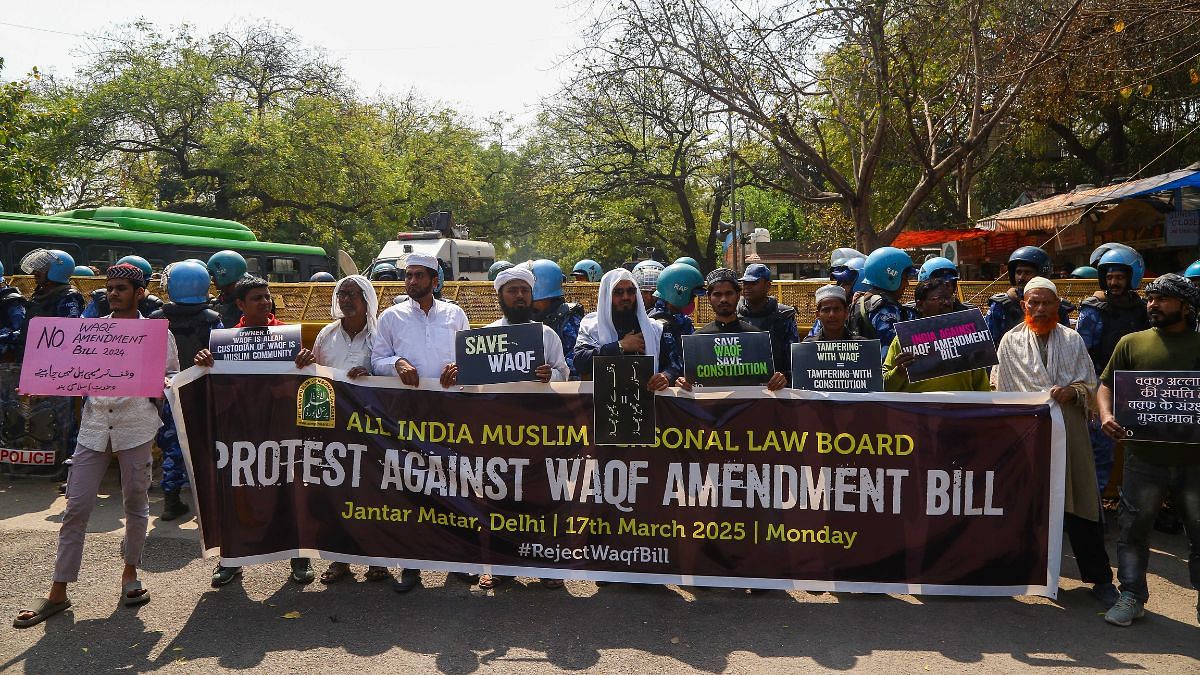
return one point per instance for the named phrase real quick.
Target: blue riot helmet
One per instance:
(840, 270)
(187, 282)
(678, 283)
(1, 272)
(226, 267)
(1129, 259)
(687, 260)
(138, 262)
(1192, 272)
(321, 278)
(498, 267)
(886, 268)
(547, 279)
(841, 257)
(1028, 255)
(58, 265)
(81, 271)
(385, 272)
(441, 282)
(938, 267)
(589, 268)
(1098, 253)
(1085, 272)
(856, 266)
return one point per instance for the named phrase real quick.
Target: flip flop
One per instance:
(491, 581)
(135, 600)
(377, 574)
(44, 611)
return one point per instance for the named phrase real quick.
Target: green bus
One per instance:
(100, 237)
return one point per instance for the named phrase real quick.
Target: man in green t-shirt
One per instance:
(1152, 469)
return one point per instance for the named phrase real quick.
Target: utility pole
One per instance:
(735, 241)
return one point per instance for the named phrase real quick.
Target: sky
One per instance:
(481, 57)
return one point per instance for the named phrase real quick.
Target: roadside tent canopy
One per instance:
(1064, 209)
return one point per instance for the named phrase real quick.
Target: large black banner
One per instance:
(742, 488)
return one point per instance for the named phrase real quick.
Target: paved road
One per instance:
(451, 628)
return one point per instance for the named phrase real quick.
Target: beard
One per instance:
(523, 314)
(625, 320)
(1041, 327)
(1160, 320)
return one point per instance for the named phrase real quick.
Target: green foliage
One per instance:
(26, 175)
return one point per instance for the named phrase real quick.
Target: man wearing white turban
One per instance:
(1043, 355)
(620, 326)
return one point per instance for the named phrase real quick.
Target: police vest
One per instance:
(191, 326)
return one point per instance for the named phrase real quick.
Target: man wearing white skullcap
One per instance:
(415, 340)
(1042, 355)
(514, 293)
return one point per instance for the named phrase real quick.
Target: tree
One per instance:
(835, 86)
(25, 174)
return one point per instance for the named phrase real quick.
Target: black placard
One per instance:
(837, 365)
(728, 359)
(945, 344)
(499, 354)
(623, 405)
(1158, 406)
(256, 343)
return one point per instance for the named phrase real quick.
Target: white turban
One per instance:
(513, 274)
(369, 295)
(422, 259)
(1041, 282)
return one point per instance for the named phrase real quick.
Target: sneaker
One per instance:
(1126, 610)
(1107, 594)
(223, 575)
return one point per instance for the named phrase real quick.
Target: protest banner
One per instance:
(728, 359)
(624, 410)
(94, 357)
(499, 354)
(256, 343)
(742, 488)
(1162, 406)
(945, 344)
(837, 365)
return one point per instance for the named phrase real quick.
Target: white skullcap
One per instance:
(513, 274)
(831, 291)
(1041, 282)
(422, 259)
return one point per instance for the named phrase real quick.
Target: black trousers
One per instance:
(1087, 542)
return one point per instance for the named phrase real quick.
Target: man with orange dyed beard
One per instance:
(1043, 355)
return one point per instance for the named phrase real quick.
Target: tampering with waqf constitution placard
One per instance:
(912, 493)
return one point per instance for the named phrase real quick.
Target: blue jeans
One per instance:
(1102, 450)
(1142, 492)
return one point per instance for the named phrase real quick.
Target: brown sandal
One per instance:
(335, 573)
(377, 573)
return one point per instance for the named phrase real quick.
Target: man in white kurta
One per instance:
(416, 338)
(1043, 355)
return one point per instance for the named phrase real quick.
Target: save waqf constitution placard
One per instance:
(919, 493)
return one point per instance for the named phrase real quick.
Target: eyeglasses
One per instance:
(356, 293)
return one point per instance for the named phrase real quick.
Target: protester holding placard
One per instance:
(123, 427)
(1154, 469)
(514, 293)
(253, 298)
(1043, 355)
(723, 293)
(620, 325)
(934, 296)
(345, 343)
(833, 308)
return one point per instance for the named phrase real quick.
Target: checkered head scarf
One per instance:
(1172, 285)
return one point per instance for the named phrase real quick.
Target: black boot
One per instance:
(173, 506)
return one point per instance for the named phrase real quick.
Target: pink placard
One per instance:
(94, 357)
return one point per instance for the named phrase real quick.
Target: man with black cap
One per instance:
(120, 427)
(764, 312)
(1154, 469)
(723, 291)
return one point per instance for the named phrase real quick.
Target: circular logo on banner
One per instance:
(315, 403)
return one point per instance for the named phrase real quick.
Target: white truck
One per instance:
(461, 259)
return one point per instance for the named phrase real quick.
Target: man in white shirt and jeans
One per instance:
(346, 344)
(416, 340)
(124, 427)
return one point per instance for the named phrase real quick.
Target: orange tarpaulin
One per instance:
(919, 238)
